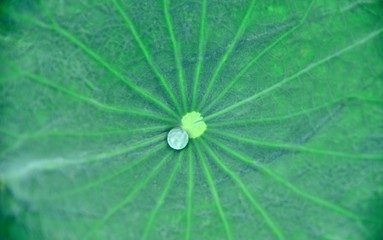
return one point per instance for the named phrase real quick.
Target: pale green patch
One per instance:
(193, 124)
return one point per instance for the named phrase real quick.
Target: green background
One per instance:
(291, 92)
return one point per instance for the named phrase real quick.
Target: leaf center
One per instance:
(193, 124)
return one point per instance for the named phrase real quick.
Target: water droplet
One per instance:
(178, 138)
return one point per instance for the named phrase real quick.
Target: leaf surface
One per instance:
(291, 93)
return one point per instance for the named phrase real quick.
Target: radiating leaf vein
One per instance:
(311, 66)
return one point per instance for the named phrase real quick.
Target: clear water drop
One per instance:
(178, 138)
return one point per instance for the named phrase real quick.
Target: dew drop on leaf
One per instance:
(178, 138)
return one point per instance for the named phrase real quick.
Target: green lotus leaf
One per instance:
(282, 101)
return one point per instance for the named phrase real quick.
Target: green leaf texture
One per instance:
(291, 92)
